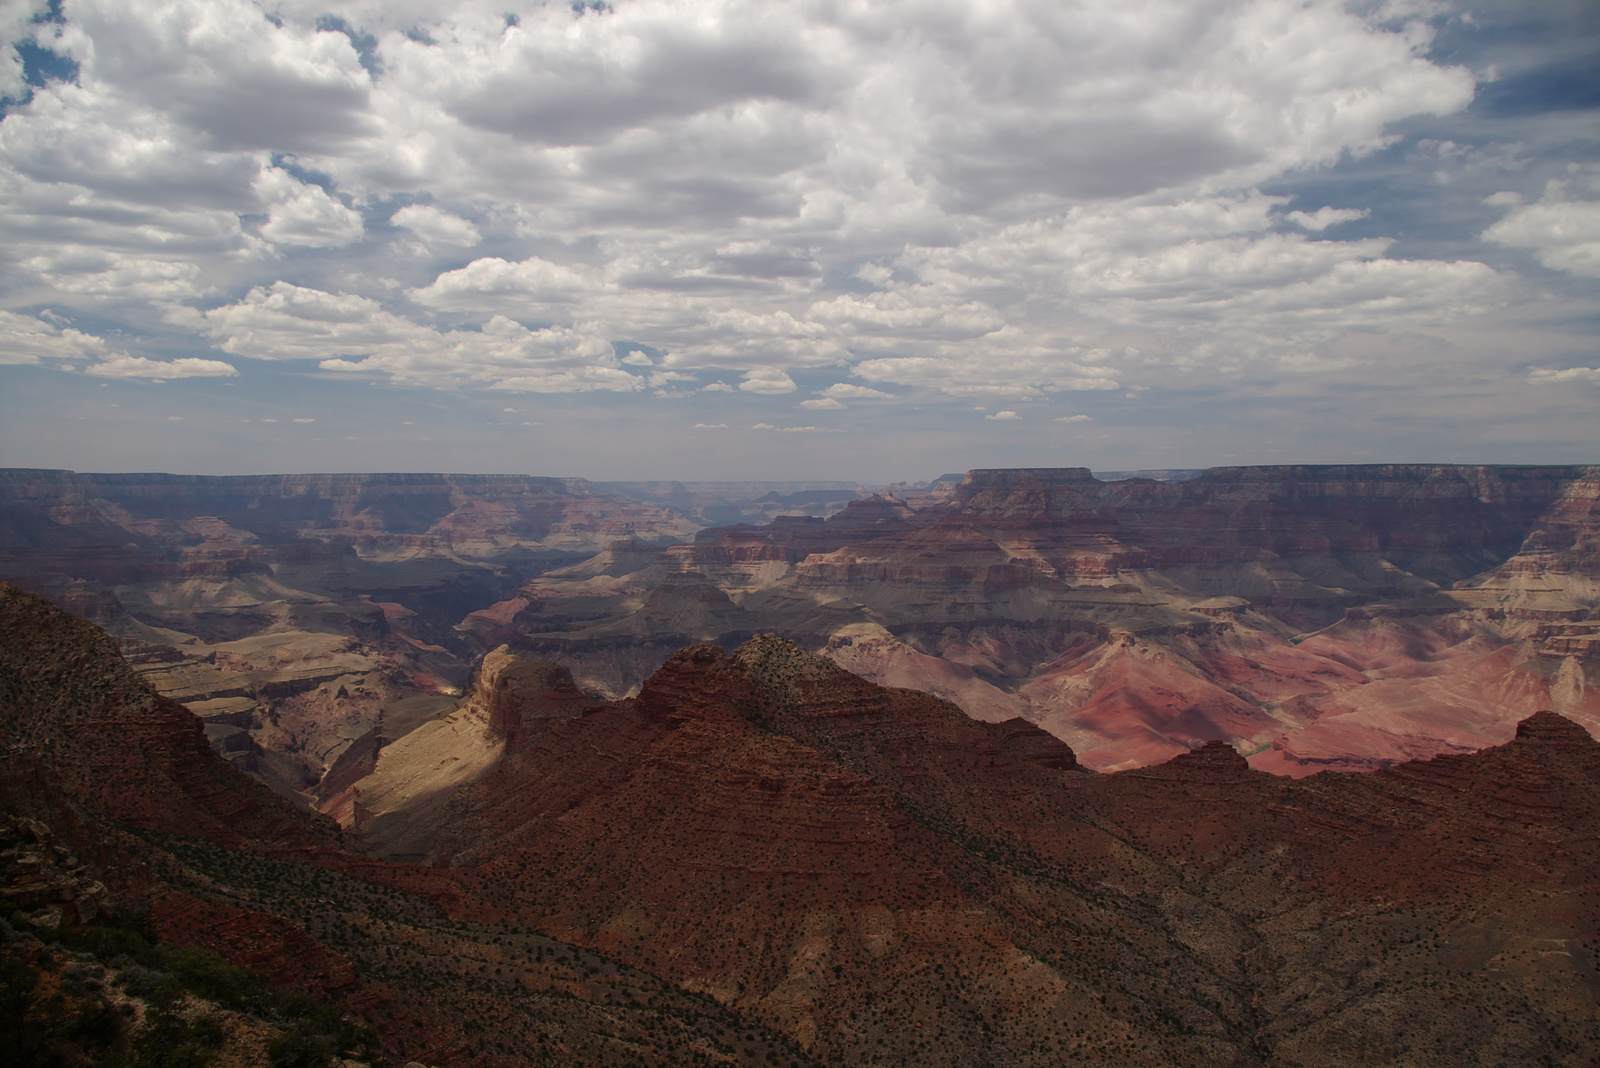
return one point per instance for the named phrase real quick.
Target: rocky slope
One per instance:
(1319, 617)
(886, 880)
(121, 749)
(113, 807)
(763, 859)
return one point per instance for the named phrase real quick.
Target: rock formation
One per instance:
(1319, 617)
(890, 877)
(399, 805)
(146, 821)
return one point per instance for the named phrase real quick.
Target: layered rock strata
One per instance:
(877, 875)
(1346, 617)
(148, 822)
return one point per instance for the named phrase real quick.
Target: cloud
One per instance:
(1004, 415)
(789, 429)
(710, 426)
(933, 200)
(909, 311)
(492, 284)
(302, 214)
(25, 339)
(16, 18)
(768, 380)
(557, 82)
(347, 333)
(139, 367)
(851, 391)
(1325, 217)
(230, 76)
(436, 227)
(93, 272)
(1542, 377)
(996, 373)
(1562, 234)
(1074, 418)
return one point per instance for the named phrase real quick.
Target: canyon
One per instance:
(762, 858)
(298, 614)
(1314, 617)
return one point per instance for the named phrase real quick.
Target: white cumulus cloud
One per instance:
(1325, 217)
(1545, 377)
(435, 226)
(299, 213)
(767, 380)
(931, 199)
(25, 339)
(1562, 234)
(139, 367)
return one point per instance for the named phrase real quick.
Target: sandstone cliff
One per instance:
(399, 806)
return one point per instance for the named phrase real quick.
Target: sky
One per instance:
(842, 239)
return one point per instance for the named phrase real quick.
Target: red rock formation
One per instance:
(845, 837)
(88, 744)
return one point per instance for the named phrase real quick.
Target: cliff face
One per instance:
(397, 799)
(1347, 617)
(1321, 617)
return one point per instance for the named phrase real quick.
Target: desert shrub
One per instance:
(302, 1046)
